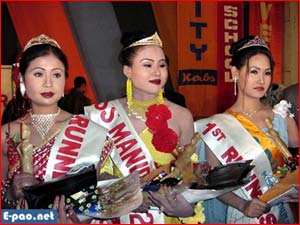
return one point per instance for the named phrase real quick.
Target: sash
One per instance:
(78, 143)
(230, 141)
(130, 153)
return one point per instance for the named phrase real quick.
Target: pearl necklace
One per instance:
(43, 122)
(249, 114)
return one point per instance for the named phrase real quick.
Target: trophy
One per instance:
(279, 143)
(26, 150)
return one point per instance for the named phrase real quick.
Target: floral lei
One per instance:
(164, 139)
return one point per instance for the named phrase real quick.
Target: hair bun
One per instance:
(130, 37)
(237, 45)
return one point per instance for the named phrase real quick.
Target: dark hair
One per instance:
(241, 57)
(36, 51)
(78, 81)
(126, 54)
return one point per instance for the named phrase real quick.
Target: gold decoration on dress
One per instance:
(26, 150)
(139, 108)
(279, 143)
(152, 40)
(39, 40)
(256, 41)
(43, 122)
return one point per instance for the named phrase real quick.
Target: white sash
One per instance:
(79, 142)
(230, 141)
(130, 153)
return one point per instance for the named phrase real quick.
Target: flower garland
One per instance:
(164, 139)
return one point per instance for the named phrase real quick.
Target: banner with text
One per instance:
(206, 31)
(266, 20)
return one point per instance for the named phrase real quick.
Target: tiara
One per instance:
(152, 40)
(39, 40)
(256, 41)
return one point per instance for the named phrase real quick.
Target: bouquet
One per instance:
(197, 180)
(86, 196)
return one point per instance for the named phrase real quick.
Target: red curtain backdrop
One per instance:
(267, 21)
(34, 18)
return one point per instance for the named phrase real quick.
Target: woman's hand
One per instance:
(172, 204)
(144, 207)
(63, 216)
(22, 180)
(292, 198)
(255, 208)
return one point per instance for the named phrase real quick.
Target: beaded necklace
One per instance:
(139, 108)
(43, 122)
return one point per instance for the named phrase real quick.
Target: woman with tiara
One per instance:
(145, 127)
(46, 142)
(250, 130)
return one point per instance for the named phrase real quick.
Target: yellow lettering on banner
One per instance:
(230, 35)
(264, 27)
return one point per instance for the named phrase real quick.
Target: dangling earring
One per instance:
(129, 94)
(234, 85)
(22, 86)
(161, 96)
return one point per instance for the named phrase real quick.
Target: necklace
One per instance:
(250, 114)
(139, 108)
(43, 122)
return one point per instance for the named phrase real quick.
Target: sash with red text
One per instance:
(219, 132)
(130, 153)
(80, 142)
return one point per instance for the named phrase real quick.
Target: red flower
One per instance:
(165, 140)
(157, 116)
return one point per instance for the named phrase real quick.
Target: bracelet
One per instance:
(9, 202)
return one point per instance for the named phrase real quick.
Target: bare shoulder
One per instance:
(179, 112)
(183, 119)
(11, 127)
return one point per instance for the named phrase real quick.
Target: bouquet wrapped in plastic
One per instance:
(197, 181)
(86, 196)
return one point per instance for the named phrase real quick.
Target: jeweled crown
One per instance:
(256, 41)
(152, 40)
(39, 40)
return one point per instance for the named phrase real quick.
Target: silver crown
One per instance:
(256, 41)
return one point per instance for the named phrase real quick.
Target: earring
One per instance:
(161, 96)
(22, 86)
(234, 85)
(129, 94)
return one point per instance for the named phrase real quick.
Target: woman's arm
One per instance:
(250, 208)
(292, 133)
